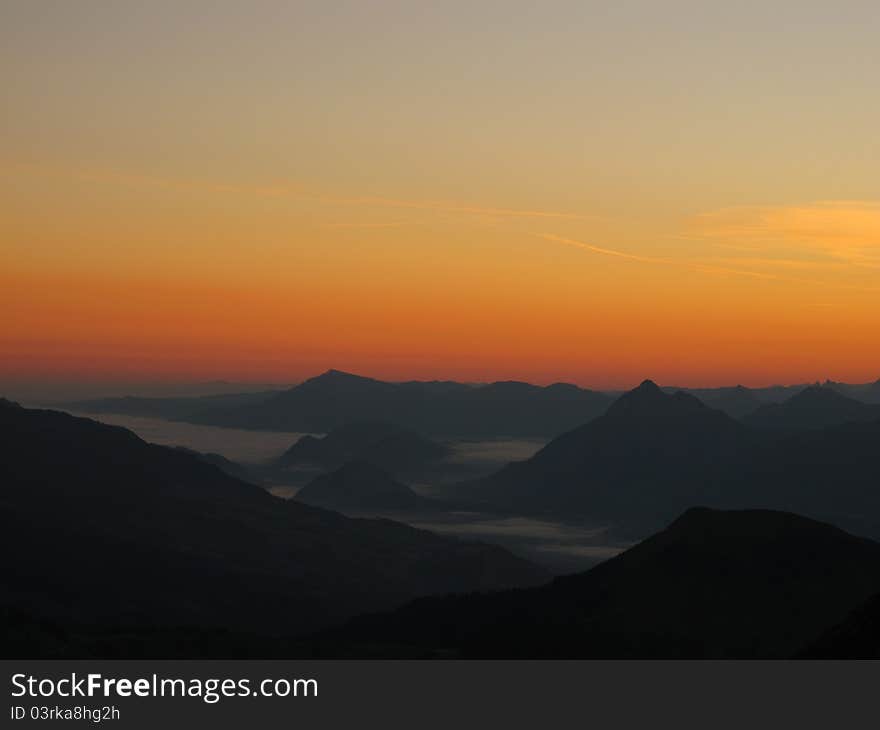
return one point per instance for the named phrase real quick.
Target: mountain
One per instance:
(736, 402)
(383, 444)
(814, 407)
(714, 584)
(359, 487)
(828, 474)
(335, 399)
(232, 468)
(179, 408)
(103, 529)
(769, 394)
(651, 455)
(865, 392)
(856, 637)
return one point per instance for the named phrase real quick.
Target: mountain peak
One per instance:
(335, 377)
(359, 485)
(334, 373)
(746, 524)
(650, 403)
(814, 407)
(648, 392)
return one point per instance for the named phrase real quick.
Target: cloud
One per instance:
(708, 265)
(604, 251)
(688, 263)
(846, 231)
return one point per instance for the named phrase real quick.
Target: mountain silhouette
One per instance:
(232, 468)
(828, 474)
(107, 529)
(383, 444)
(359, 487)
(864, 392)
(335, 398)
(736, 402)
(714, 584)
(652, 454)
(856, 637)
(814, 407)
(174, 408)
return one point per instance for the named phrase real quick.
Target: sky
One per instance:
(557, 191)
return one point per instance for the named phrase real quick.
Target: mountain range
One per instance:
(336, 399)
(818, 406)
(119, 547)
(713, 584)
(651, 455)
(102, 528)
(654, 454)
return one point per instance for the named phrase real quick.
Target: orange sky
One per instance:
(573, 195)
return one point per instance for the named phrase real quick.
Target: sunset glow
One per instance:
(551, 197)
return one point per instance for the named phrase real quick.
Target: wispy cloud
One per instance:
(704, 265)
(692, 264)
(847, 231)
(603, 251)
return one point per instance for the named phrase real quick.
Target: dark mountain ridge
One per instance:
(817, 406)
(754, 583)
(335, 398)
(856, 637)
(654, 454)
(446, 408)
(173, 408)
(736, 402)
(359, 487)
(651, 454)
(103, 527)
(384, 444)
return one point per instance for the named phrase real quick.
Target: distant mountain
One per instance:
(749, 584)
(769, 394)
(362, 487)
(383, 444)
(104, 529)
(866, 392)
(814, 407)
(736, 402)
(183, 408)
(335, 399)
(651, 455)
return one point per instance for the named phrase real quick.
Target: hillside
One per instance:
(105, 528)
(714, 584)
